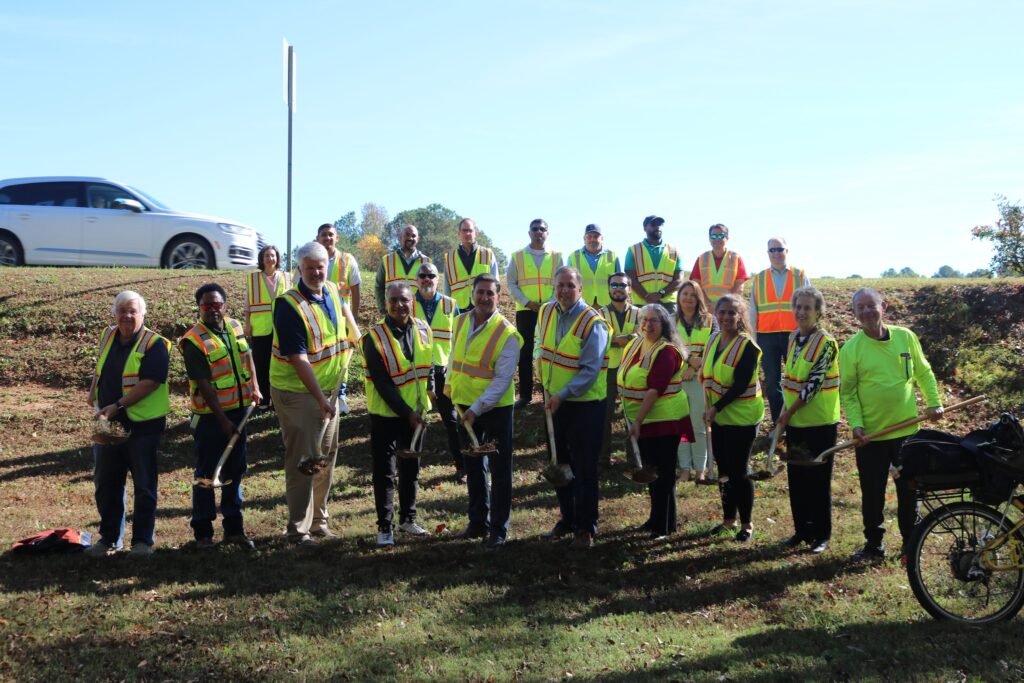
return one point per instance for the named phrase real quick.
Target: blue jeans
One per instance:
(578, 442)
(773, 355)
(491, 513)
(210, 443)
(112, 464)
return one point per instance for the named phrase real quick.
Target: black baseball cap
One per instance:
(656, 221)
(593, 227)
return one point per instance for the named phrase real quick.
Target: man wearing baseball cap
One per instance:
(595, 265)
(654, 269)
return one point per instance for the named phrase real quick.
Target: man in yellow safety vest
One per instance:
(463, 263)
(654, 268)
(621, 317)
(596, 264)
(400, 265)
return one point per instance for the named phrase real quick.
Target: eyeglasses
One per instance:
(538, 228)
(619, 285)
(427, 276)
(216, 306)
(718, 236)
(776, 250)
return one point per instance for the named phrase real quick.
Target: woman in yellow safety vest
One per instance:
(694, 324)
(810, 389)
(651, 387)
(734, 408)
(262, 287)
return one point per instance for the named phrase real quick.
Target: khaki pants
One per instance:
(299, 415)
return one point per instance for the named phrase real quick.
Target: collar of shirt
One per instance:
(654, 246)
(435, 298)
(308, 293)
(473, 327)
(779, 272)
(470, 251)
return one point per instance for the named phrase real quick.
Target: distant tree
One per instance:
(908, 272)
(369, 251)
(947, 271)
(890, 272)
(375, 222)
(980, 272)
(855, 277)
(1007, 237)
(439, 231)
(348, 232)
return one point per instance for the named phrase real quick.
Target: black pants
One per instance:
(387, 435)
(578, 442)
(489, 477)
(810, 487)
(660, 451)
(449, 418)
(873, 462)
(732, 444)
(262, 348)
(526, 324)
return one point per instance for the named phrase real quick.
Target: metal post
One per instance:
(291, 109)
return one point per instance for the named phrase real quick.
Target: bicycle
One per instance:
(965, 558)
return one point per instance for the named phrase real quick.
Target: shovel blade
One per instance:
(558, 475)
(642, 475)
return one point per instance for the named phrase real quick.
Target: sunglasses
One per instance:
(718, 237)
(426, 276)
(776, 250)
(538, 229)
(216, 306)
(618, 285)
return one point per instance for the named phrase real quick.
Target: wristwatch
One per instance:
(662, 291)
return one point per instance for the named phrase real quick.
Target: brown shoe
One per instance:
(557, 531)
(582, 540)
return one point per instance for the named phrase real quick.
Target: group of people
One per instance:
(681, 353)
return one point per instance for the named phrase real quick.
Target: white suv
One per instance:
(75, 221)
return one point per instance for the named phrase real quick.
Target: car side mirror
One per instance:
(132, 205)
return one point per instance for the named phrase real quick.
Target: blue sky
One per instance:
(869, 134)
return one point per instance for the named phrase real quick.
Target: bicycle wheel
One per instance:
(945, 573)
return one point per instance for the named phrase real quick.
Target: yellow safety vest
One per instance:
(396, 273)
(459, 281)
(718, 280)
(538, 284)
(595, 282)
(410, 377)
(472, 362)
(338, 272)
(324, 343)
(824, 407)
(223, 361)
(440, 326)
(717, 377)
(156, 404)
(632, 381)
(696, 340)
(775, 309)
(654, 279)
(628, 327)
(261, 302)
(560, 362)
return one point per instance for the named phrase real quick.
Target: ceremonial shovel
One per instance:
(639, 473)
(558, 475)
(311, 464)
(216, 483)
(477, 449)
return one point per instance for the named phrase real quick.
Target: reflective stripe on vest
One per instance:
(595, 282)
(223, 362)
(324, 343)
(339, 274)
(632, 380)
(440, 326)
(538, 284)
(395, 272)
(696, 340)
(628, 327)
(409, 377)
(775, 310)
(472, 363)
(654, 279)
(560, 362)
(261, 302)
(823, 409)
(717, 378)
(156, 404)
(459, 281)
(718, 280)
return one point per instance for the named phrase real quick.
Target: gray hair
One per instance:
(668, 327)
(810, 293)
(313, 251)
(866, 291)
(569, 269)
(399, 286)
(429, 267)
(126, 296)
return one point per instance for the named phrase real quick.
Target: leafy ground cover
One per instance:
(692, 608)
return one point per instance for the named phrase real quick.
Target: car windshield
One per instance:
(149, 198)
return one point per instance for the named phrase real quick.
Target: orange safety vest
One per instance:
(774, 309)
(223, 361)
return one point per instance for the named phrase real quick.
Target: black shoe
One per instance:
(241, 540)
(522, 402)
(470, 533)
(460, 476)
(820, 546)
(557, 531)
(870, 553)
(495, 542)
(793, 541)
(646, 526)
(744, 535)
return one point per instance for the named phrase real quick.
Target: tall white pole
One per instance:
(291, 109)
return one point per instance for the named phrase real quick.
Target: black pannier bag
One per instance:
(934, 457)
(1000, 450)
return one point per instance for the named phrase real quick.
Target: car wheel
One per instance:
(189, 253)
(10, 250)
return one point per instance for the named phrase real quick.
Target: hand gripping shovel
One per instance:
(557, 474)
(768, 472)
(216, 483)
(888, 430)
(416, 443)
(476, 449)
(317, 462)
(638, 473)
(709, 481)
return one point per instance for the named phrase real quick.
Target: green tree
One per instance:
(439, 232)
(1007, 237)
(947, 271)
(890, 272)
(908, 272)
(980, 272)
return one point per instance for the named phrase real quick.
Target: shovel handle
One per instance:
(550, 424)
(469, 429)
(231, 444)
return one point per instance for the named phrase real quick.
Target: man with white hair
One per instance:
(129, 387)
(312, 327)
(771, 315)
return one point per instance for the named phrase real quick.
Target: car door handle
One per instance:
(25, 216)
(91, 219)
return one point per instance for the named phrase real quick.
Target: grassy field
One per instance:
(692, 608)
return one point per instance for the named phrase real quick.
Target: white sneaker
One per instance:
(385, 539)
(141, 550)
(343, 408)
(98, 549)
(413, 528)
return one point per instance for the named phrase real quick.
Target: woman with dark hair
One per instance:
(262, 287)
(651, 386)
(732, 394)
(695, 324)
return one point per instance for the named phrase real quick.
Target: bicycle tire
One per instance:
(943, 568)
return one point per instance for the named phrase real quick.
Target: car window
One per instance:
(43, 194)
(101, 196)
